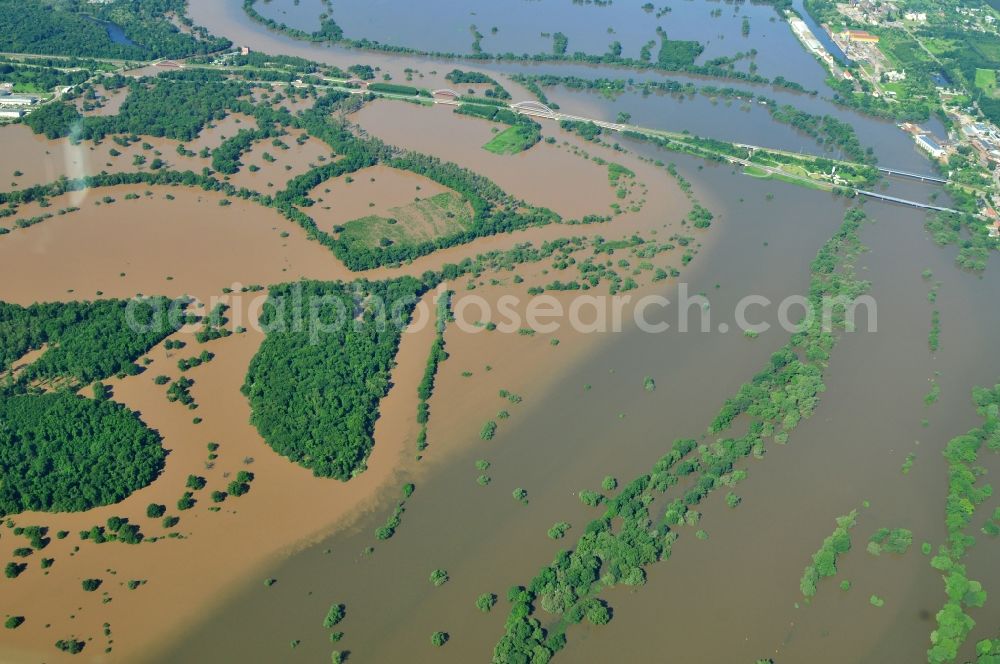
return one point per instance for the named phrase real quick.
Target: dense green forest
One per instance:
(87, 340)
(176, 105)
(61, 452)
(77, 27)
(677, 53)
(315, 384)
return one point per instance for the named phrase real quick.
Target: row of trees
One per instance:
(437, 355)
(615, 548)
(824, 561)
(965, 493)
(395, 88)
(159, 177)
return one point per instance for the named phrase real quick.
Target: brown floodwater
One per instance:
(438, 131)
(585, 414)
(41, 160)
(733, 597)
(187, 245)
(283, 165)
(262, 523)
(372, 191)
(110, 100)
(191, 244)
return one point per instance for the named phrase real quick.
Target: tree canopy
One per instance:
(61, 452)
(316, 382)
(80, 28)
(88, 340)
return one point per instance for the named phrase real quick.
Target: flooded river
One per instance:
(733, 597)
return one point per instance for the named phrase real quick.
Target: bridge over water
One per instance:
(912, 176)
(903, 201)
(538, 109)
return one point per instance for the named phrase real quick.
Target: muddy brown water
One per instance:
(730, 598)
(192, 244)
(733, 597)
(372, 191)
(41, 161)
(439, 132)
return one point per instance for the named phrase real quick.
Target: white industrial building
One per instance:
(8, 100)
(931, 146)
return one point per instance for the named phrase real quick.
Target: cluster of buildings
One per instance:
(976, 17)
(862, 46)
(859, 45)
(984, 138)
(812, 44)
(886, 13)
(858, 36)
(869, 11)
(15, 105)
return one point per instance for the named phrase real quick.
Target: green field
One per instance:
(902, 51)
(513, 140)
(425, 219)
(986, 80)
(761, 174)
